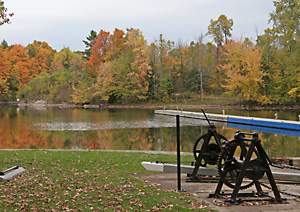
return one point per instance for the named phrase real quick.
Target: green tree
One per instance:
(286, 22)
(67, 59)
(220, 29)
(279, 46)
(4, 44)
(167, 88)
(53, 88)
(60, 86)
(161, 66)
(82, 89)
(90, 39)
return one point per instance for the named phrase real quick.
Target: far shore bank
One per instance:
(176, 106)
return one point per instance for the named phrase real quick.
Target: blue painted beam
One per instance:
(270, 130)
(273, 123)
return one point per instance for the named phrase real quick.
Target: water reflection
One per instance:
(116, 129)
(156, 121)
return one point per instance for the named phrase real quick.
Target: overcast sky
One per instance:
(65, 23)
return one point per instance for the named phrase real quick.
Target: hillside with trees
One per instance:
(122, 67)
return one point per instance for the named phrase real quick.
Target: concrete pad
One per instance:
(200, 191)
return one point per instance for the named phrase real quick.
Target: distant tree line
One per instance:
(121, 67)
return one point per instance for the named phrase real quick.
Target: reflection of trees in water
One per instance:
(17, 134)
(280, 146)
(132, 139)
(16, 131)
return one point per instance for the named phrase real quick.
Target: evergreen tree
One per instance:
(89, 43)
(4, 44)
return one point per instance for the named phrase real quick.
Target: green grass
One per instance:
(101, 181)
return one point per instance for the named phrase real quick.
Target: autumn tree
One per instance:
(41, 56)
(116, 44)
(243, 71)
(137, 48)
(4, 63)
(4, 15)
(123, 67)
(79, 82)
(16, 69)
(98, 53)
(20, 65)
(4, 73)
(67, 59)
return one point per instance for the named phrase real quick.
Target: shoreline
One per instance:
(153, 106)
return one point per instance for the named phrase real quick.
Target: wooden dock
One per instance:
(252, 121)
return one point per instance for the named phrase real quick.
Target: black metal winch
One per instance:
(241, 163)
(207, 148)
(243, 171)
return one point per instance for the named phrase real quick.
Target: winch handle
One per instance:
(206, 117)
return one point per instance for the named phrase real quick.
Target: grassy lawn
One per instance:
(86, 181)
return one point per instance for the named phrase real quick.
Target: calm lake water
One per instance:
(121, 129)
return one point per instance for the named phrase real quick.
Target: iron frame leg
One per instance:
(199, 158)
(241, 175)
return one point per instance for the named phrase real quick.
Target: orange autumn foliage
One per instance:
(23, 64)
(4, 70)
(19, 64)
(41, 56)
(99, 49)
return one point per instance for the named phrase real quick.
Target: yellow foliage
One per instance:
(242, 68)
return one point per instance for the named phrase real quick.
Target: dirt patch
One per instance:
(201, 191)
